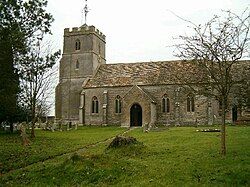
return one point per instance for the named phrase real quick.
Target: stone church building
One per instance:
(92, 92)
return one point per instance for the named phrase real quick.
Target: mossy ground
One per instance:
(174, 157)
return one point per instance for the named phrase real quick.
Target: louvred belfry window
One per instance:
(78, 45)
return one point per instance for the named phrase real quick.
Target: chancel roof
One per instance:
(143, 73)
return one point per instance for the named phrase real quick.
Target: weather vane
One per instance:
(85, 11)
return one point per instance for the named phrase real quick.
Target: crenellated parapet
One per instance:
(84, 29)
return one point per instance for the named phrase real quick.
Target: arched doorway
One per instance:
(135, 115)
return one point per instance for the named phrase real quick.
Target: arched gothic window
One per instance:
(78, 44)
(165, 104)
(95, 105)
(118, 104)
(77, 64)
(190, 103)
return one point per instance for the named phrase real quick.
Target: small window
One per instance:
(190, 104)
(95, 105)
(99, 48)
(77, 64)
(165, 104)
(78, 44)
(118, 104)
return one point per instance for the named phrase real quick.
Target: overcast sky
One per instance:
(137, 30)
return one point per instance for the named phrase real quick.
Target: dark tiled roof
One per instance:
(144, 73)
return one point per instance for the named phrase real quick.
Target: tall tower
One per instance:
(83, 52)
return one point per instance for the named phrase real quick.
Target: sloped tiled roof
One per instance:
(143, 73)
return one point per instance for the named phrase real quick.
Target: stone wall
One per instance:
(145, 96)
(85, 74)
(68, 100)
(206, 111)
(93, 118)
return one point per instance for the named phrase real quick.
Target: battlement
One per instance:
(84, 29)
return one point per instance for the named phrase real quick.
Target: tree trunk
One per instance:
(223, 128)
(11, 127)
(33, 121)
(33, 130)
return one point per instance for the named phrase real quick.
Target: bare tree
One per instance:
(215, 51)
(37, 76)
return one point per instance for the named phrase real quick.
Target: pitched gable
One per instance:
(138, 89)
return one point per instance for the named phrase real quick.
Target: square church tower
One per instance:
(83, 53)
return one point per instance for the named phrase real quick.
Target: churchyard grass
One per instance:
(174, 157)
(48, 144)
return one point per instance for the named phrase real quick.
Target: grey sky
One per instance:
(137, 30)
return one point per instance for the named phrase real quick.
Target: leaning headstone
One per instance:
(4, 124)
(47, 125)
(67, 126)
(39, 122)
(15, 126)
(25, 139)
(53, 127)
(30, 125)
(18, 127)
(43, 126)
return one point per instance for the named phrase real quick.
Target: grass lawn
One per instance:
(48, 145)
(175, 157)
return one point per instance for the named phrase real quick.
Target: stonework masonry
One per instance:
(76, 66)
(86, 81)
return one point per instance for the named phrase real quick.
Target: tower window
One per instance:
(118, 104)
(165, 104)
(190, 104)
(77, 64)
(78, 44)
(95, 105)
(99, 48)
